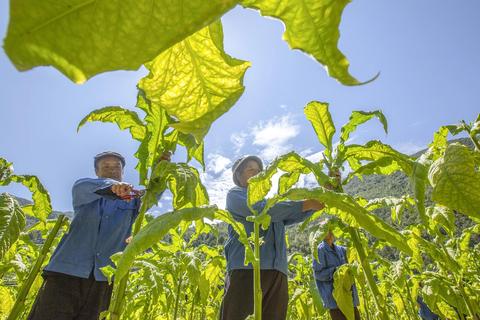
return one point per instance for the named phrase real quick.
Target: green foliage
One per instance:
(311, 26)
(82, 39)
(12, 222)
(195, 81)
(456, 180)
(343, 281)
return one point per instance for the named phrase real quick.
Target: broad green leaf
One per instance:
(456, 181)
(287, 181)
(124, 118)
(320, 118)
(195, 81)
(84, 38)
(153, 144)
(311, 26)
(350, 212)
(8, 301)
(12, 222)
(182, 180)
(359, 117)
(343, 281)
(419, 179)
(194, 150)
(42, 206)
(260, 185)
(374, 151)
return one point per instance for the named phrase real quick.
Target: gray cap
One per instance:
(239, 163)
(108, 154)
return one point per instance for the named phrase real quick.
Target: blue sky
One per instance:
(427, 52)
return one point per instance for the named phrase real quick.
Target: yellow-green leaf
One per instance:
(343, 281)
(320, 118)
(195, 81)
(359, 117)
(12, 222)
(84, 38)
(311, 26)
(456, 181)
(124, 118)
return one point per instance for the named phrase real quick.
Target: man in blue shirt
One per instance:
(104, 211)
(238, 299)
(330, 257)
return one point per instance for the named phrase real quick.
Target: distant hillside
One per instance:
(31, 220)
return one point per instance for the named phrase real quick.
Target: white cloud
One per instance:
(238, 139)
(273, 136)
(217, 163)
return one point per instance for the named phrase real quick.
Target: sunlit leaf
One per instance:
(12, 222)
(195, 81)
(84, 38)
(311, 26)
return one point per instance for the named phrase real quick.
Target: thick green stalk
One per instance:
(177, 298)
(115, 308)
(257, 288)
(22, 295)
(377, 297)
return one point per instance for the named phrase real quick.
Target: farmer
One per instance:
(238, 299)
(330, 257)
(74, 287)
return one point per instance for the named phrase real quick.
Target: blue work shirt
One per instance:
(424, 311)
(273, 251)
(328, 260)
(99, 228)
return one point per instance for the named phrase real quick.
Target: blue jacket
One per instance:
(99, 229)
(328, 260)
(424, 311)
(273, 252)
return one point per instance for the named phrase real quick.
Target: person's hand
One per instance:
(312, 205)
(129, 239)
(122, 189)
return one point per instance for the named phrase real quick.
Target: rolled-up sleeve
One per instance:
(83, 191)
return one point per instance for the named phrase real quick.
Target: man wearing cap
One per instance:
(74, 287)
(238, 299)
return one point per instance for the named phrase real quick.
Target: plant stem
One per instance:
(377, 297)
(115, 308)
(177, 298)
(257, 289)
(22, 295)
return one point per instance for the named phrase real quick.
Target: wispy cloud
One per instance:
(273, 136)
(216, 163)
(238, 140)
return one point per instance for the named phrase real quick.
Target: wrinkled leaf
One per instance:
(320, 118)
(311, 26)
(359, 117)
(195, 81)
(124, 118)
(12, 222)
(343, 281)
(84, 38)
(456, 181)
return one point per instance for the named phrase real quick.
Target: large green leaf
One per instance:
(375, 151)
(154, 231)
(350, 212)
(311, 26)
(12, 222)
(343, 281)
(195, 80)
(456, 180)
(42, 206)
(359, 117)
(82, 38)
(153, 144)
(182, 180)
(124, 118)
(320, 118)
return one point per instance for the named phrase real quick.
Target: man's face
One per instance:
(330, 238)
(109, 167)
(251, 169)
